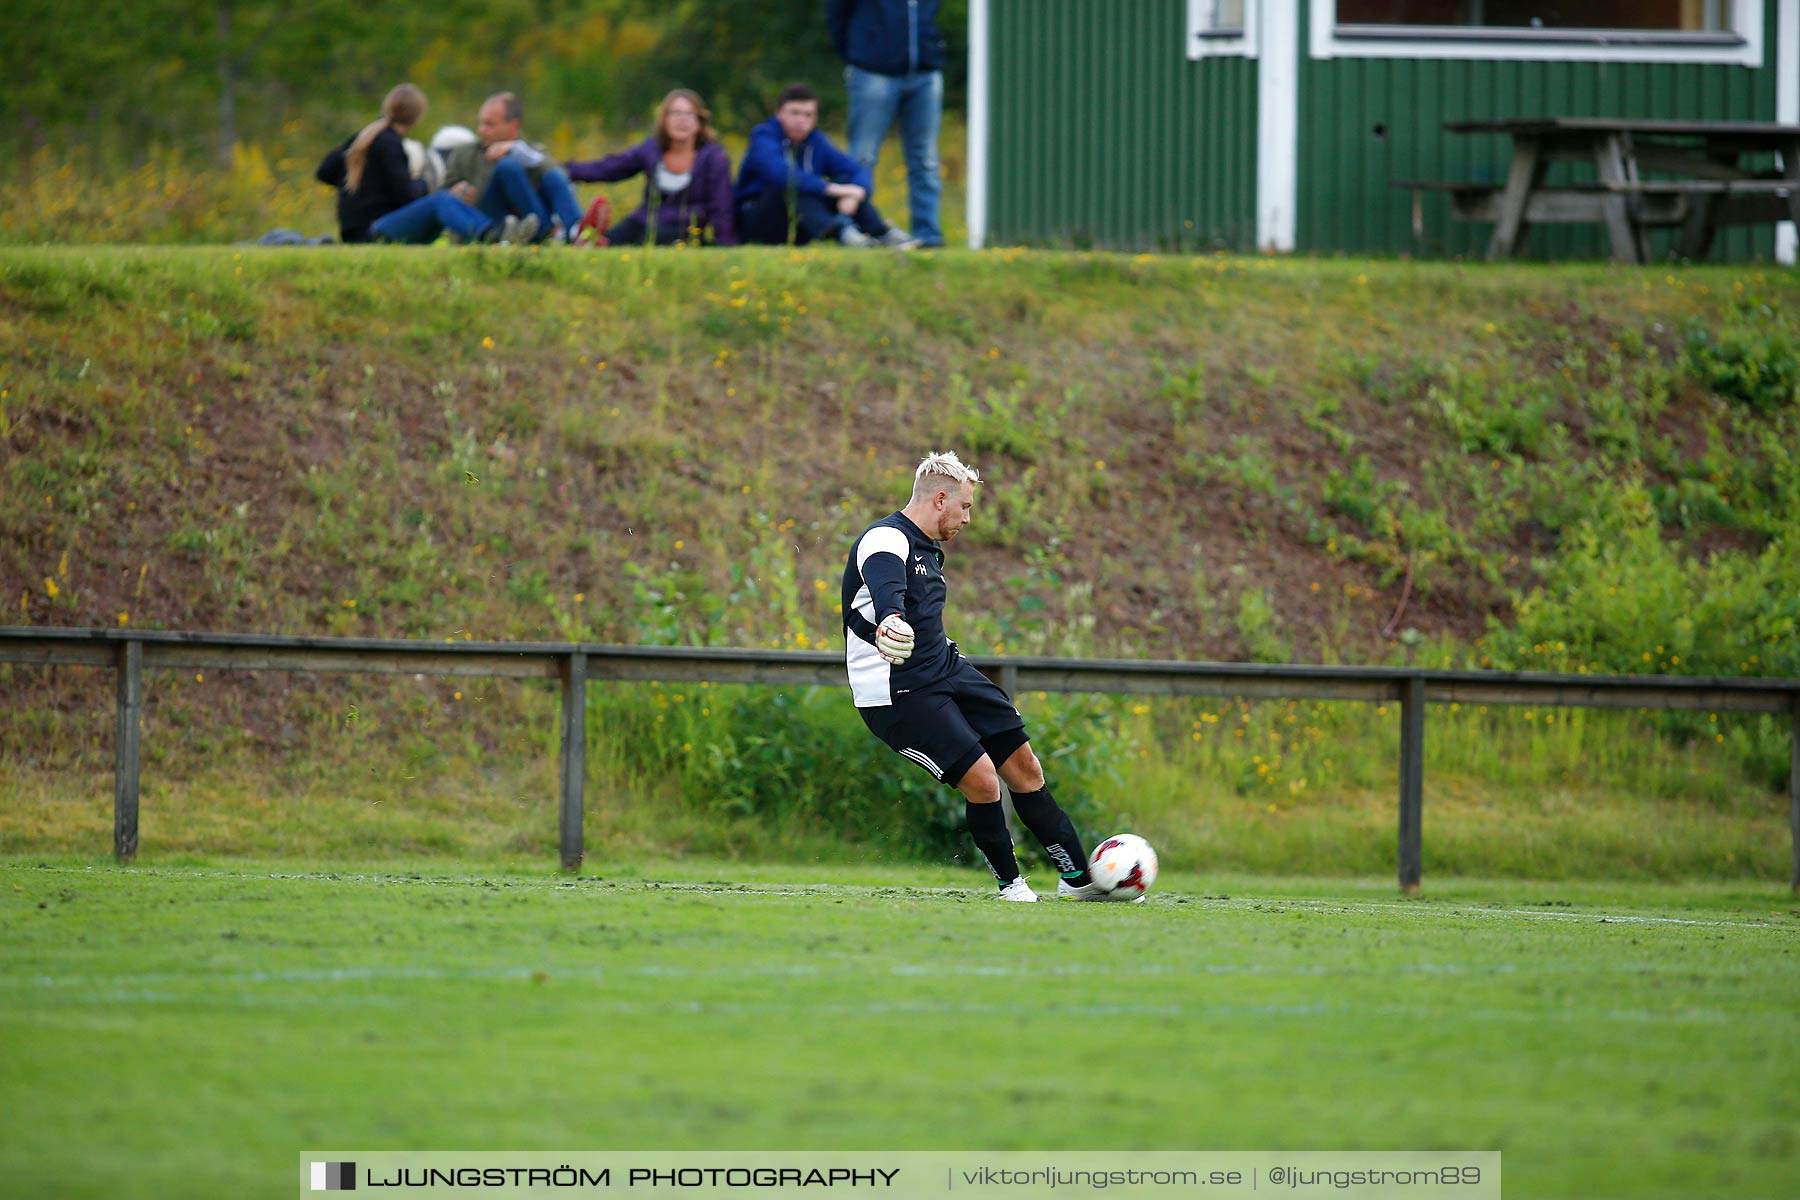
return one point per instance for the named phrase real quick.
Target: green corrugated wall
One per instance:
(1104, 133)
(1365, 122)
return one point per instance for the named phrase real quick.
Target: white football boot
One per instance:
(1087, 891)
(1020, 891)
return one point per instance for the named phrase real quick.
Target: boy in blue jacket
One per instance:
(796, 187)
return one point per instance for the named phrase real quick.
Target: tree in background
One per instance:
(121, 77)
(740, 53)
(193, 76)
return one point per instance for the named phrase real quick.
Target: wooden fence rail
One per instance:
(575, 665)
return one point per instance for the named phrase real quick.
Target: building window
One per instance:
(1663, 16)
(1725, 32)
(1221, 27)
(1222, 16)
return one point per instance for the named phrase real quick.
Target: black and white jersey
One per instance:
(895, 568)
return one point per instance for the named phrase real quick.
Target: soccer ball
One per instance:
(1124, 865)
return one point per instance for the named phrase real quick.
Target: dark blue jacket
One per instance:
(888, 37)
(816, 162)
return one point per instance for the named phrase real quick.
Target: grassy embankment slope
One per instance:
(1189, 457)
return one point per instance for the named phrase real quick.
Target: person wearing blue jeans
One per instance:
(379, 200)
(420, 222)
(504, 175)
(894, 56)
(795, 186)
(510, 191)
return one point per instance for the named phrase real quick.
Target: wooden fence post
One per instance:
(574, 755)
(129, 660)
(1412, 782)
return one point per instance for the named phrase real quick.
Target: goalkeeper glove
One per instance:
(894, 639)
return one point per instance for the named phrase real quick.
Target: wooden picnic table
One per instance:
(1647, 173)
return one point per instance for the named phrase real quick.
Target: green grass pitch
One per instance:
(186, 1030)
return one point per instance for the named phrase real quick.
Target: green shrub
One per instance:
(798, 761)
(1259, 628)
(1489, 416)
(1754, 360)
(1623, 599)
(1691, 503)
(1358, 496)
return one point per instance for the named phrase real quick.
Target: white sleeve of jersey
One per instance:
(883, 539)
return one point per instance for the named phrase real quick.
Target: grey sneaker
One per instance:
(1020, 891)
(850, 235)
(519, 231)
(897, 238)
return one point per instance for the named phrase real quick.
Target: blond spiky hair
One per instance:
(946, 463)
(942, 465)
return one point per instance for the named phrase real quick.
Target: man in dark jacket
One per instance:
(795, 186)
(895, 57)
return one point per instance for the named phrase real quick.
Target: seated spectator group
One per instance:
(494, 185)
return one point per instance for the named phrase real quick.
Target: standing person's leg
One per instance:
(873, 101)
(986, 817)
(994, 718)
(921, 115)
(1041, 814)
(928, 730)
(558, 196)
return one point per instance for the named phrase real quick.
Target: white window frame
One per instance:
(1206, 41)
(1742, 46)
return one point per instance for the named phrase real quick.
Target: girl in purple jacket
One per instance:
(687, 179)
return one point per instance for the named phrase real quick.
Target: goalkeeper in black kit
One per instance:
(916, 692)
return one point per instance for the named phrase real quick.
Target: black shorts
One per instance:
(947, 727)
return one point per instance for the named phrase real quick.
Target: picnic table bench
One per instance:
(1706, 183)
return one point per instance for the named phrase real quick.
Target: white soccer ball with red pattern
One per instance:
(1124, 865)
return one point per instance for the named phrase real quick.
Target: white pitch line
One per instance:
(1112, 1010)
(1416, 909)
(594, 884)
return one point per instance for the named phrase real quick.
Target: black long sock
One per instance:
(1051, 826)
(987, 825)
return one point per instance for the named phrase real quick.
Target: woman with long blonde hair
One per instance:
(378, 197)
(687, 178)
